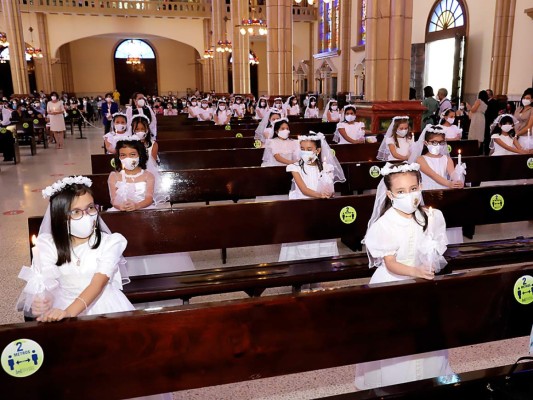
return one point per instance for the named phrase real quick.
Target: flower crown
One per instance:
(141, 116)
(400, 117)
(500, 117)
(119, 114)
(129, 138)
(278, 98)
(278, 121)
(431, 129)
(394, 169)
(63, 183)
(349, 106)
(443, 114)
(313, 137)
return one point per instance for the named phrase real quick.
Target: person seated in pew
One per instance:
(404, 240)
(437, 167)
(312, 110)
(205, 113)
(118, 130)
(331, 112)
(238, 107)
(141, 107)
(292, 107)
(452, 132)
(141, 130)
(265, 129)
(281, 150)
(349, 131)
(170, 110)
(222, 114)
(261, 109)
(313, 176)
(278, 105)
(503, 140)
(397, 143)
(19, 114)
(78, 257)
(7, 141)
(193, 108)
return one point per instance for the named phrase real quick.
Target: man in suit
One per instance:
(109, 107)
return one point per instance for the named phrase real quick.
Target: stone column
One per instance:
(241, 48)
(311, 72)
(207, 64)
(46, 61)
(502, 43)
(66, 68)
(220, 62)
(279, 47)
(388, 49)
(344, 45)
(17, 46)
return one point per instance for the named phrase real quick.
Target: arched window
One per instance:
(4, 55)
(361, 35)
(446, 14)
(134, 48)
(328, 26)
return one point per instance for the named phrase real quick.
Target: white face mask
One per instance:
(222, 108)
(204, 105)
(407, 202)
(54, 98)
(284, 133)
(350, 118)
(140, 134)
(277, 105)
(193, 103)
(263, 104)
(308, 156)
(507, 128)
(84, 227)
(526, 102)
(450, 120)
(461, 107)
(435, 150)
(109, 99)
(130, 163)
(141, 103)
(402, 132)
(120, 128)
(334, 108)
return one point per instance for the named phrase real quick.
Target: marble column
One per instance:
(279, 47)
(17, 46)
(220, 61)
(66, 68)
(241, 48)
(388, 49)
(45, 62)
(207, 64)
(502, 43)
(345, 48)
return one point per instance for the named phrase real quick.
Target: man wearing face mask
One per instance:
(19, 114)
(6, 139)
(140, 107)
(109, 107)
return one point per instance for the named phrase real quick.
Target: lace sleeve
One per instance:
(112, 185)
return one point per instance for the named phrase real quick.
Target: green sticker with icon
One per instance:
(449, 149)
(25, 125)
(22, 358)
(530, 163)
(257, 143)
(497, 202)
(113, 163)
(348, 215)
(36, 121)
(3, 130)
(228, 127)
(74, 112)
(374, 171)
(333, 152)
(523, 290)
(238, 135)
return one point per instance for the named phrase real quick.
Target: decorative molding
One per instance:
(358, 48)
(328, 54)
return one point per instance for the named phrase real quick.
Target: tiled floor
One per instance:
(20, 190)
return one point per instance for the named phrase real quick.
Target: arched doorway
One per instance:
(254, 75)
(135, 68)
(446, 33)
(6, 81)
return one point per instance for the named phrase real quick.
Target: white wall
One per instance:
(521, 68)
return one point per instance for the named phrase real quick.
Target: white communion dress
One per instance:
(311, 112)
(500, 151)
(403, 148)
(314, 180)
(440, 165)
(354, 131)
(150, 264)
(393, 234)
(453, 132)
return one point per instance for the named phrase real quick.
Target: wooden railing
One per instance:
(159, 8)
(299, 13)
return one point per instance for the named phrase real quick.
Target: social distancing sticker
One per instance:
(22, 358)
(228, 127)
(449, 149)
(25, 125)
(374, 171)
(530, 163)
(257, 143)
(348, 215)
(497, 202)
(523, 290)
(112, 162)
(238, 135)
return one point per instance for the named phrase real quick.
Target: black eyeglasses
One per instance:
(92, 210)
(437, 143)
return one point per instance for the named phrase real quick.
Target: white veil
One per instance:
(384, 151)
(418, 147)
(328, 157)
(326, 109)
(264, 123)
(306, 113)
(495, 124)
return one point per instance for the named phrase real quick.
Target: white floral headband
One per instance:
(63, 183)
(349, 106)
(394, 169)
(278, 121)
(119, 114)
(314, 137)
(400, 117)
(443, 114)
(432, 129)
(129, 138)
(500, 117)
(140, 116)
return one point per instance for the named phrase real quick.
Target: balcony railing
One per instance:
(158, 8)
(299, 13)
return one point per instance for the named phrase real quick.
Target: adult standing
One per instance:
(477, 117)
(140, 107)
(7, 140)
(490, 116)
(444, 102)
(55, 110)
(116, 96)
(109, 107)
(524, 115)
(431, 104)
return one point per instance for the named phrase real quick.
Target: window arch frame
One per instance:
(451, 32)
(137, 39)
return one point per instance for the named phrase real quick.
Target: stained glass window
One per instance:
(447, 14)
(134, 48)
(328, 28)
(362, 29)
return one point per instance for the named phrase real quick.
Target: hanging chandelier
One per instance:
(34, 52)
(208, 53)
(224, 46)
(310, 2)
(133, 60)
(251, 25)
(3, 39)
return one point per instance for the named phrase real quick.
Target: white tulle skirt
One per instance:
(311, 249)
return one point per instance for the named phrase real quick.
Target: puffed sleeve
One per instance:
(275, 146)
(293, 168)
(437, 227)
(380, 241)
(341, 125)
(495, 136)
(110, 254)
(389, 140)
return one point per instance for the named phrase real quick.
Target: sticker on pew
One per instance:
(348, 215)
(22, 358)
(497, 202)
(112, 162)
(3, 130)
(25, 125)
(333, 152)
(374, 171)
(523, 290)
(35, 121)
(449, 149)
(257, 143)
(238, 135)
(530, 163)
(227, 127)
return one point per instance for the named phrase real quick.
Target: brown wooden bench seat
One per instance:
(202, 345)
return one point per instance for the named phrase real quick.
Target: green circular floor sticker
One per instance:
(238, 135)
(530, 163)
(228, 127)
(25, 125)
(449, 148)
(374, 171)
(257, 143)
(497, 202)
(22, 358)
(35, 121)
(523, 290)
(3, 130)
(348, 215)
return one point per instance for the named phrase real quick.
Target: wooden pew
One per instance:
(203, 345)
(230, 158)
